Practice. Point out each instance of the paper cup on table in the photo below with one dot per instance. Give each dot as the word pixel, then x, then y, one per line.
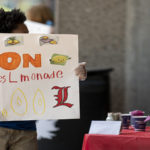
pixel 125 121
pixel 135 113
pixel 139 124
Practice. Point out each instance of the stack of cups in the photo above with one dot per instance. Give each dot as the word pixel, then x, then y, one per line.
pixel 137 120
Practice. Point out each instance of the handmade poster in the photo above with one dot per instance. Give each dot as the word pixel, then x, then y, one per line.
pixel 37 77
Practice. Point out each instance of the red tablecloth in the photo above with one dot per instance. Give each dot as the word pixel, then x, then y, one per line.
pixel 127 140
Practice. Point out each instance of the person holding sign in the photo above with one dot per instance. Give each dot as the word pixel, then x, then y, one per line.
pixel 21 135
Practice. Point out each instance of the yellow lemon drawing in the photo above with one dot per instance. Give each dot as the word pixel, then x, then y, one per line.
pixel 59 59
pixel 45 37
pixel 16 41
pixel 39 103
pixel 53 42
pixel 19 103
pixel 10 41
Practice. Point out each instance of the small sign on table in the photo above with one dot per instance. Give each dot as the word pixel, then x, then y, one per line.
pixel 105 127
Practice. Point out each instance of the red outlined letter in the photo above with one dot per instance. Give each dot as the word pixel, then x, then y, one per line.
pixel 62 96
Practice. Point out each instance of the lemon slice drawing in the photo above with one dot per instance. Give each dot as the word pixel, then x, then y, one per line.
pixel 14 41
pixel 59 59
pixel 19 103
pixel 39 103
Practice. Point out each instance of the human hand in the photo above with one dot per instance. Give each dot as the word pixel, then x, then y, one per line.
pixel 81 72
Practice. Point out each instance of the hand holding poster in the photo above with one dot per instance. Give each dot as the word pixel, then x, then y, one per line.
pixel 37 77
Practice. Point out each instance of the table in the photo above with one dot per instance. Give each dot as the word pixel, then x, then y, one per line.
pixel 127 140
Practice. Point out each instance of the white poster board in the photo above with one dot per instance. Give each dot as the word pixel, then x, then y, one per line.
pixel 37 77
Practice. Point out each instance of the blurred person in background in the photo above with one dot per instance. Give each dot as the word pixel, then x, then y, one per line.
pixel 41 14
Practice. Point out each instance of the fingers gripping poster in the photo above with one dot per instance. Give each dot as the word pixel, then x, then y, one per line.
pixel 37 77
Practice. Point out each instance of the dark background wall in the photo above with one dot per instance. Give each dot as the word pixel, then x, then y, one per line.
pixel 138 55
pixel 101 28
